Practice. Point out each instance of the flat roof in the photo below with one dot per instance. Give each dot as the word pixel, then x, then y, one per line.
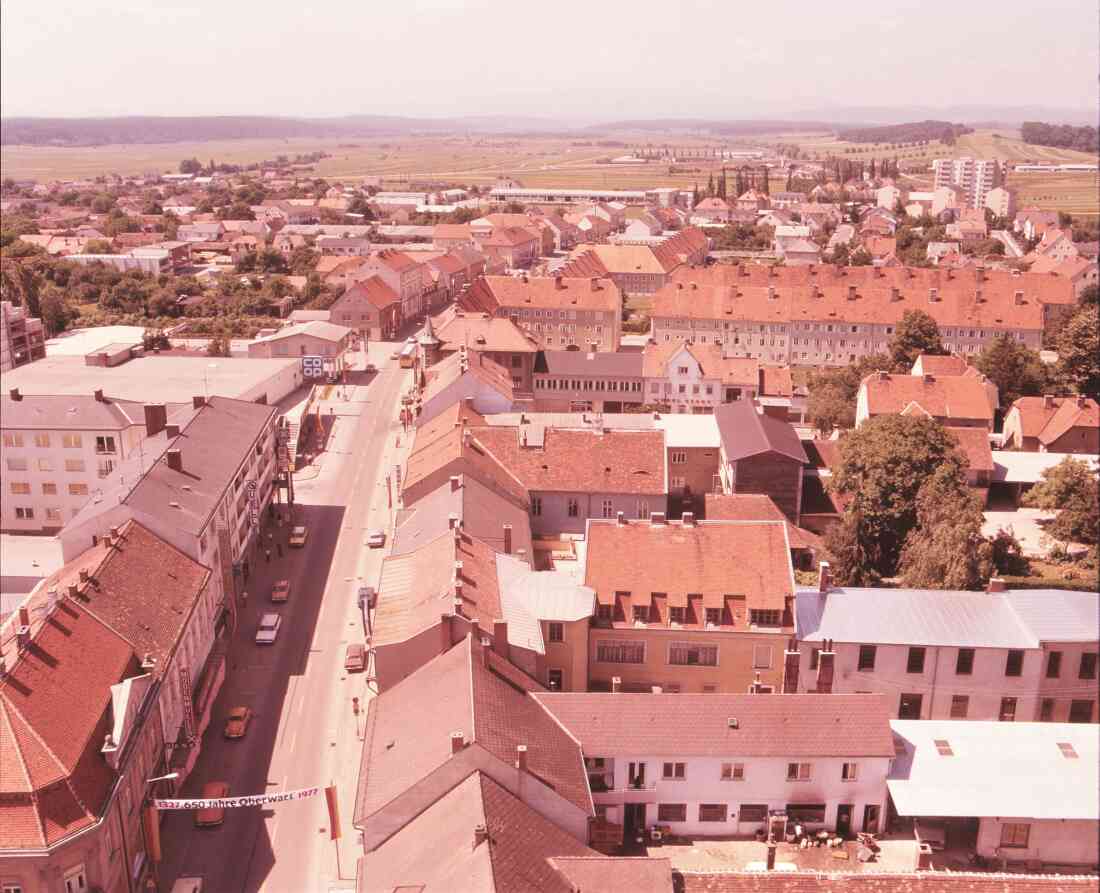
pixel 163 379
pixel 1013 467
pixel 975 769
pixel 79 342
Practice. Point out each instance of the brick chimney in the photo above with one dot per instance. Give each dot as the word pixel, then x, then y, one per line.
pixel 790 667
pixel 507 528
pixel 98 394
pixel 174 459
pixel 458 741
pixel 500 637
pixel 1048 401
pixel 15 395
pixel 456 482
pixel 620 519
pixel 521 757
pixel 171 431
pixel 996 584
pixel 824 578
pixel 558 282
pixel 156 418
pixel 826 660
pixel 616 684
pixel 481 834
pixel 198 402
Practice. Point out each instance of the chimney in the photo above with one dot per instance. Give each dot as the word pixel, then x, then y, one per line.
pixel 445 626
pixel 1048 401
pixel 996 584
pixel 657 519
pixel 979 273
pixel 771 292
pixel 656 689
pixel 1081 400
pixel 521 757
pixel 616 684
pixel 458 741
pixel 481 834
pixel 826 659
pixel 455 483
pixel 507 539
pixel 452 521
pixel 929 378
pixel 695 286
pixel 500 637
pixel 457 603
pixel 790 668
pixel 171 431
pixel 557 282
pixel 620 519
pixel 688 519
pixel 156 417
pixel 756 686
pixel 1018 296
pixel 74 590
pixel 771 855
pixel 743 269
pixel 15 395
pixel 933 295
pixel 98 394
pixel 852 292
pixel 84 575
pixel 175 460
pixel 198 402
pixel 759 381
pixel 883 375
pixel 895 294
pixel 595 284
pixel 825 577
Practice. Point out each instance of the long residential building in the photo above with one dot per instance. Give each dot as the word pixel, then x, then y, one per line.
pixel 827 315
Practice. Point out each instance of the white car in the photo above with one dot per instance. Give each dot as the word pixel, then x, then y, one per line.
pixel 268 629
pixel 376 539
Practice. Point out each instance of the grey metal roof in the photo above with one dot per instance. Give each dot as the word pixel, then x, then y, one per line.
pixel 73 412
pixel 746 432
pixel 1058 615
pixel 579 362
pixel 911 617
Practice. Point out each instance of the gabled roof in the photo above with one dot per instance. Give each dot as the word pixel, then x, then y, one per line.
pixel 746 432
pixel 782 725
pixel 933 364
pixel 974 445
pixel 757 507
pixel 947 397
pixel 479 366
pixel 579 362
pixel 490 294
pixel 438 445
pixel 466 689
pixel 713 559
pixel 878 881
pixel 456 328
pixel 1050 419
pixel 326 331
pixel 373 290
pixel 69 413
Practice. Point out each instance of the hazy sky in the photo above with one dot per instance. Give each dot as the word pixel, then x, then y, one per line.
pixel 574 59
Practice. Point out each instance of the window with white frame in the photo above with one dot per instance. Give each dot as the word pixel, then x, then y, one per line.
pixel 762 657
pixel 799 771
pixel 673 771
pixel 76 880
pixel 678 457
pixel 733 772
pixel 620 652
pixel 692 654
pixel 849 771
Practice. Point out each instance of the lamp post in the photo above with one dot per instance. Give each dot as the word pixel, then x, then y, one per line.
pixel 150 826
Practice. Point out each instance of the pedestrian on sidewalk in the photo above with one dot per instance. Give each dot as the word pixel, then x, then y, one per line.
pixel 267 555
pixel 244 597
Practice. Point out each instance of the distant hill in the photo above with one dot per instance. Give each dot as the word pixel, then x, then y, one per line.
pixel 131 130
pixel 913 131
pixel 710 125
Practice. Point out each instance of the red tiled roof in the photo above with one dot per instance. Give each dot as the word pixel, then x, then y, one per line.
pixel 757 507
pixel 1048 418
pixel 53 717
pixel 452 368
pixel 781 725
pixel 509 237
pixel 453 447
pixel 714 559
pixel 479 331
pixel 490 294
pixel 452 231
pixel 374 290
pixel 628 462
pixel 974 445
pixel 395 260
pixel 931 364
pixel 881 882
pixel 949 397
pixel 743 371
pixel 618 874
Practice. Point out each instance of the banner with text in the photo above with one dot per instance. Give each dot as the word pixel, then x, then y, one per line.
pixel 235 802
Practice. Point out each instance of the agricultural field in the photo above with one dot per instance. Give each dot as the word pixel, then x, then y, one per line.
pixel 1074 193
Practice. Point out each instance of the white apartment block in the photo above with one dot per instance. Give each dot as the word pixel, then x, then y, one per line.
pixel 976 177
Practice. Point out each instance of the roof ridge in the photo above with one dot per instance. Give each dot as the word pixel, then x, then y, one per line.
pixel 29 727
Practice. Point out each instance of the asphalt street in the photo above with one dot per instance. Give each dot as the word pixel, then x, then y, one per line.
pixel 304 733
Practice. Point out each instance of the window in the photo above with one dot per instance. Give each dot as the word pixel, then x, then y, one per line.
pixel 1046 710
pixel 960 704
pixel 45 465
pixel 75 880
pixel 753 812
pixel 761 657
pixel 814 658
pixel 13 440
pixel 677 615
pixel 798 771
pixel 554 680
pixel 672 812
pixel 572 507
pixel 712 812
pixel 1067 750
pixel 10 888
pixel 682 370
pixel 555 632
pixel 673 771
pixel 849 771
pixel 764 617
pixel 42 440
pixel 78 489
pixel 536 506
pixel 1015 835
pixel 603 612
pixel 74 465
pixel 641 613
pixel 915 661
pixel 72 441
pixel 24 513
pixel 690 654
pixel 1080 711
pixel 106 466
pixel 943 747
pixel 608 508
pixel 1054 665
pixel 1008 710
pixel 16 463
pixel 1088 666
pixel 53 514
pixel 104 444
pixel 612 652
pixel 806 812
pixel 964 662
pixel 713 616
pixel 866 657
pixel 733 772
pixel 1014 663
pixel 678 457
pixel 20 488
pixel 909 706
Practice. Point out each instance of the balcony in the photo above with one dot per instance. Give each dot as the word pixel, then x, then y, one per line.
pixel 601 783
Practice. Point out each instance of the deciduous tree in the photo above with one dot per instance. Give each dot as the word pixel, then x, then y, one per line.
pixel 1070 488
pixel 917 333
pixel 1015 369
pixel 1079 351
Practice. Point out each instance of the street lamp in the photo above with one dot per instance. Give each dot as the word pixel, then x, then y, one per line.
pixel 169 777
pixel 150 826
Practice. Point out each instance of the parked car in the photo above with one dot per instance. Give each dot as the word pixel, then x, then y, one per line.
pixel 368 598
pixel 236 723
pixel 268 630
pixel 214 815
pixel 355 658
pixel 370 367
pixel 298 536
pixel 280 592
pixel 376 539
pixel 932 833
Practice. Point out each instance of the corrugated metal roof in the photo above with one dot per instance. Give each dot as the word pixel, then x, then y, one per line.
pixel 1058 615
pixel 546 595
pixel 996 769
pixel 911 617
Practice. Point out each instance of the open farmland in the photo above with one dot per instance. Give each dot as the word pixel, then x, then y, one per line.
pixel 1075 193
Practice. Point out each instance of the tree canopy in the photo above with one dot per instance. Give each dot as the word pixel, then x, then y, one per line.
pixel 1070 488
pixel 1015 369
pixel 1079 351
pixel 917 333
pixel 832 392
